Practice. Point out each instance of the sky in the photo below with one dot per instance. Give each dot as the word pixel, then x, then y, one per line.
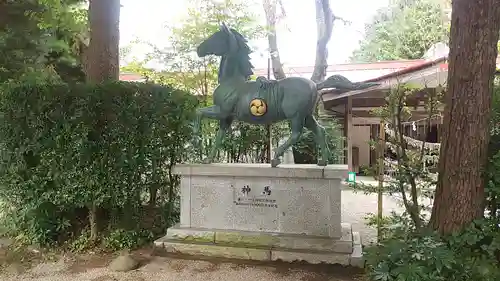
pixel 146 20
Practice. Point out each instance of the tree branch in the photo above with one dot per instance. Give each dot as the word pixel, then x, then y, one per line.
pixel 337 18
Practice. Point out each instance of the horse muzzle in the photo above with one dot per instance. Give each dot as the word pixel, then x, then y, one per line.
pixel 201 52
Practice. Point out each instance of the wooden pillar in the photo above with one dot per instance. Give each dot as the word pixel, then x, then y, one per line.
pixel 348 113
pixel 380 203
pixel 344 142
pixel 438 132
pixel 373 150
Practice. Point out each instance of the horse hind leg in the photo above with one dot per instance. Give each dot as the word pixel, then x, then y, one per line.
pixel 297 126
pixel 320 138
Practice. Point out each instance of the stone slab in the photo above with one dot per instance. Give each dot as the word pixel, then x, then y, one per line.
pixel 310 257
pixel 295 199
pixel 306 171
pixel 234 238
pixel 262 246
pixel 190 234
pixel 357 258
pixel 212 250
pixel 344 244
pixel 255 254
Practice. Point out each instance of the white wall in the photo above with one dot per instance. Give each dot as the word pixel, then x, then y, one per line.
pixel 361 139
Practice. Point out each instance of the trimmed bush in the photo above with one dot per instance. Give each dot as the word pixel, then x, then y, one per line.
pixel 72 152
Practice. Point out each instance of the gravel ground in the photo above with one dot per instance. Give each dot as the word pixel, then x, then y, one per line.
pixel 355 206
pixel 169 269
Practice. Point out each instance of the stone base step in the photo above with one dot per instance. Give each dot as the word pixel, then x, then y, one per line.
pixel 264 246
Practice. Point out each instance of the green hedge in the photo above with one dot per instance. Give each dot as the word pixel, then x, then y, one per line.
pixel 71 149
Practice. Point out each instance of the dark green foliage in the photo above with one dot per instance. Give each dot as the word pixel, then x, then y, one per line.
pixel 41 35
pixel 470 255
pixel 126 239
pixel 248 143
pixel 306 151
pixel 66 148
pixel 492 188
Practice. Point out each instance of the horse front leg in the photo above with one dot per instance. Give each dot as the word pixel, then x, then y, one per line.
pixel 211 112
pixel 224 127
pixel 297 126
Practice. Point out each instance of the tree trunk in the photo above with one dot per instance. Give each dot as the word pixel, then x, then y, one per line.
pixel 270 7
pixel 102 57
pixel 271 18
pixel 460 190
pixel 94 231
pixel 324 27
pixel 153 194
pixel 101 61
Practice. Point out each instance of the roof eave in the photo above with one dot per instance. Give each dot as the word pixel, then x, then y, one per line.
pixel 387 81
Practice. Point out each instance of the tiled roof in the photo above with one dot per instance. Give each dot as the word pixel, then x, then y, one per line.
pixel 131 77
pixel 418 65
pixel 423 64
pixel 397 64
pixel 399 67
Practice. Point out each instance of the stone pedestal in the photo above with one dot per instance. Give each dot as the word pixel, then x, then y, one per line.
pixel 253 211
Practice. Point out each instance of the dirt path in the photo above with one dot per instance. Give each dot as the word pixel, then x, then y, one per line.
pixel 94 268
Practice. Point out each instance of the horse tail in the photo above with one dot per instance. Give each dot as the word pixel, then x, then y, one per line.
pixel 342 83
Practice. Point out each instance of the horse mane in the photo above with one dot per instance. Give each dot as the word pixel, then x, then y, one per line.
pixel 244 52
pixel 242 57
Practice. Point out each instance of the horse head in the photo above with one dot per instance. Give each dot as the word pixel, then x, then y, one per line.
pixel 220 43
pixel 234 50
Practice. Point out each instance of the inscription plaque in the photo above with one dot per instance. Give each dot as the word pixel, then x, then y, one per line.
pixel 255 201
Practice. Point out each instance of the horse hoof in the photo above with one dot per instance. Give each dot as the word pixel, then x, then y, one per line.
pixel 322 163
pixel 275 163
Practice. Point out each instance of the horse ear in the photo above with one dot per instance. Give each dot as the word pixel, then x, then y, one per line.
pixel 223 28
pixel 233 44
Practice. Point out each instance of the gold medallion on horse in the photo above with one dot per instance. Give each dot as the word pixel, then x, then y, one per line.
pixel 258 107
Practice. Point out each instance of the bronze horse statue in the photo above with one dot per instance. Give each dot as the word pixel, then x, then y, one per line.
pixel 262 101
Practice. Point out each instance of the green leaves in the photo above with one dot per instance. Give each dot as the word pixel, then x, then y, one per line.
pixel 403 30
pixel 204 18
pixel 425 257
pixel 65 147
pixel 121 239
pixel 45 39
pixel 182 66
pixel 472 254
pixel 492 188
